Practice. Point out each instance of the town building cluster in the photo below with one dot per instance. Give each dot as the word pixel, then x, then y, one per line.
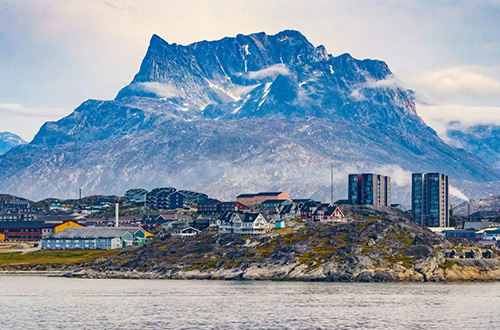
pixel 93 224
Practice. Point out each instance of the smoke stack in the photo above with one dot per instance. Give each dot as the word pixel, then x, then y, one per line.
pixel 80 193
pixel 117 214
pixel 468 209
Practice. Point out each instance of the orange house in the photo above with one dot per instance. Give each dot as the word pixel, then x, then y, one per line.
pixel 257 199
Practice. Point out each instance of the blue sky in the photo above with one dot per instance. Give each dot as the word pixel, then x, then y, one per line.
pixel 55 54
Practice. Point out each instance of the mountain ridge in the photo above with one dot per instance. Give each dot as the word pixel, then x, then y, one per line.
pixel 271 112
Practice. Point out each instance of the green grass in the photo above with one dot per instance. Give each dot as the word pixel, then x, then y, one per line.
pixel 55 257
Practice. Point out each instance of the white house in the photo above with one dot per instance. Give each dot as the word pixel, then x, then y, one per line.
pixel 244 224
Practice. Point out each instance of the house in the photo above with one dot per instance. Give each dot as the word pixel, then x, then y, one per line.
pixel 61 206
pixel 478 225
pixel 25 230
pixel 232 207
pixel 286 212
pixel 186 232
pixel 460 233
pixel 92 238
pixel 244 223
pixel 209 206
pixel 66 225
pixel 192 197
pixel 263 196
pixel 152 196
pixel 17 206
pixel 274 203
pixel 137 195
pixel 308 209
pixel 246 199
pixel 201 224
pixel 257 199
pixel 489 234
pixel 327 214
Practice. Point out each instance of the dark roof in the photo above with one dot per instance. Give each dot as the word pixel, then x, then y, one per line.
pixel 209 202
pixel 246 195
pixel 136 191
pixel 249 217
pixel 157 190
pixel 268 193
pixel 228 203
pixel 26 224
pixel 301 200
pixel 272 201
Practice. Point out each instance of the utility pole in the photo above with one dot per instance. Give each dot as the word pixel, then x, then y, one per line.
pixel 331 185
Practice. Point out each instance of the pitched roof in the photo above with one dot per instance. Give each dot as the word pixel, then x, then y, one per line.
pixel 269 193
pixel 136 191
pixel 245 195
pixel 273 201
pixel 96 232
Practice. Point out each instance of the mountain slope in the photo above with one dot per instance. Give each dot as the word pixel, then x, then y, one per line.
pixel 248 113
pixel 480 140
pixel 9 141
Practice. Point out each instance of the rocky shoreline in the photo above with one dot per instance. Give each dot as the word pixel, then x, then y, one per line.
pixel 464 271
pixel 375 245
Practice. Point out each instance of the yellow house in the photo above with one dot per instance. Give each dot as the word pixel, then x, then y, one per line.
pixel 66 225
pixel 2 237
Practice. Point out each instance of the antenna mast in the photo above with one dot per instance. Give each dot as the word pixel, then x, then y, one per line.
pixel 331 185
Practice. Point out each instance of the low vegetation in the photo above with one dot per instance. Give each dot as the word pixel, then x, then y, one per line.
pixel 55 257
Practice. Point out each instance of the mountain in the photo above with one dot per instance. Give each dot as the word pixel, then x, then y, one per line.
pixel 480 140
pixel 9 141
pixel 253 112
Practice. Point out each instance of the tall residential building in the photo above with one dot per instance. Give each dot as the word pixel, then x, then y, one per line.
pixel 369 189
pixel 429 199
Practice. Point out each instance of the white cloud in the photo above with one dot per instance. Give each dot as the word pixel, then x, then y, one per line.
pixel 468 79
pixel 472 85
pixel 453 116
pixel 271 71
pixel 390 82
pixel 458 193
pixel 160 89
pixel 21 110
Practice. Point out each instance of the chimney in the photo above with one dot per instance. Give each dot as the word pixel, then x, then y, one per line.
pixel 117 214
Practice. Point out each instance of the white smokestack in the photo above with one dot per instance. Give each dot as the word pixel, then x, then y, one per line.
pixel 117 212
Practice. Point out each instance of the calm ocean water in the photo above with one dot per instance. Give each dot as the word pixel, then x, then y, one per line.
pixel 59 303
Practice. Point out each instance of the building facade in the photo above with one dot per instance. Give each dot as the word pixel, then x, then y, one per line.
pixel 430 199
pixel 92 238
pixel 369 189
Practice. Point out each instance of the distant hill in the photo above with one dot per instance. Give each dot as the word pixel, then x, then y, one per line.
pixel 9 141
pixel 489 204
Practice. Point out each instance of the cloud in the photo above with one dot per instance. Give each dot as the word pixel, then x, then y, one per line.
pixel 458 193
pixel 458 117
pixel 159 89
pixel 472 85
pixel 21 110
pixel 271 71
pixel 467 79
pixel 389 82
